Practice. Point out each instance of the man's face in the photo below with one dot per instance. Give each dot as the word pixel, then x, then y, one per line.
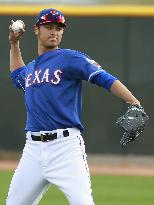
pixel 50 35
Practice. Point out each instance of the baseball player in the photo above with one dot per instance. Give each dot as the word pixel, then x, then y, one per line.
pixel 54 152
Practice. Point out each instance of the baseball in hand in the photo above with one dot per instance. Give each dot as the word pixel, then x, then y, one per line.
pixel 17 25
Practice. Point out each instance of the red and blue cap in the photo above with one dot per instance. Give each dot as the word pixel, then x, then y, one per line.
pixel 50 16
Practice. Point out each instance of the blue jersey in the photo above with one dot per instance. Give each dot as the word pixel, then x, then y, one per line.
pixel 53 84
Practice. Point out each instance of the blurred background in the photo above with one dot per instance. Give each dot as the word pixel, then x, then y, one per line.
pixel 119 35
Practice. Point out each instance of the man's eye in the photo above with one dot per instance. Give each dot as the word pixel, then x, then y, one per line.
pixel 59 28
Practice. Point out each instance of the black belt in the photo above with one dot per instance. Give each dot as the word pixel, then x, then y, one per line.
pixel 45 137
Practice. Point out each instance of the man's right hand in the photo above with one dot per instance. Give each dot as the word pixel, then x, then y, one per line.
pixel 15 36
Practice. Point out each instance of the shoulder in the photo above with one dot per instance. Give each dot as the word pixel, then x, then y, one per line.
pixel 74 53
pixel 31 63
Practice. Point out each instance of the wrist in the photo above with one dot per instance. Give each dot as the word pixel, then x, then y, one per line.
pixel 14 44
pixel 134 102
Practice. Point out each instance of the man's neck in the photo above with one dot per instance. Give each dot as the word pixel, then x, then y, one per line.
pixel 43 50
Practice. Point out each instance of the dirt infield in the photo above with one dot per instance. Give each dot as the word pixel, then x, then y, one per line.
pixel 122 170
pixel 108 165
pixel 8 165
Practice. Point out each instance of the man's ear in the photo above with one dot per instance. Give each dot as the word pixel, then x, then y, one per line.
pixel 36 30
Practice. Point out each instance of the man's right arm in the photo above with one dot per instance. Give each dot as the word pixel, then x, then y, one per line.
pixel 16 60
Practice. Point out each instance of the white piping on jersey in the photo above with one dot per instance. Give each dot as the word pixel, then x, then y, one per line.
pixel 21 85
pixel 94 74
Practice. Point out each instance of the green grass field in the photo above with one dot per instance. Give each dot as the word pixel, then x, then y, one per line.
pixel 107 190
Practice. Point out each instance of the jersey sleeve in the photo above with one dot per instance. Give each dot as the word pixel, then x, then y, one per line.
pixel 83 68
pixel 18 77
pixel 104 80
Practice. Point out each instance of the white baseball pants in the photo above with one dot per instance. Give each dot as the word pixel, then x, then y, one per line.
pixel 61 162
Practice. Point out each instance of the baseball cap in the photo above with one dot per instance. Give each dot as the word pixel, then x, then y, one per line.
pixel 49 16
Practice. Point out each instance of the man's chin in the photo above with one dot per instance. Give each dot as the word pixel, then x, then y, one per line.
pixel 52 46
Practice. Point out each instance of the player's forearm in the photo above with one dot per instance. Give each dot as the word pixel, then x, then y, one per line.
pixel 16 60
pixel 122 92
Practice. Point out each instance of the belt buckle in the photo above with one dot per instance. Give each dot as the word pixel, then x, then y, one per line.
pixel 42 137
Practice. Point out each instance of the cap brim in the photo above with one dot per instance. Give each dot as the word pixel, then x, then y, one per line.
pixel 47 22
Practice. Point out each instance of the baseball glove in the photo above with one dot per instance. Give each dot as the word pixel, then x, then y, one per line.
pixel 133 123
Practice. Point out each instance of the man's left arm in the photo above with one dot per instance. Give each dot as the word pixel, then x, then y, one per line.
pixel 121 91
pixel 134 120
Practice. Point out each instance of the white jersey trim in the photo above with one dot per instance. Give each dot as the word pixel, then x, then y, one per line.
pixel 95 73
